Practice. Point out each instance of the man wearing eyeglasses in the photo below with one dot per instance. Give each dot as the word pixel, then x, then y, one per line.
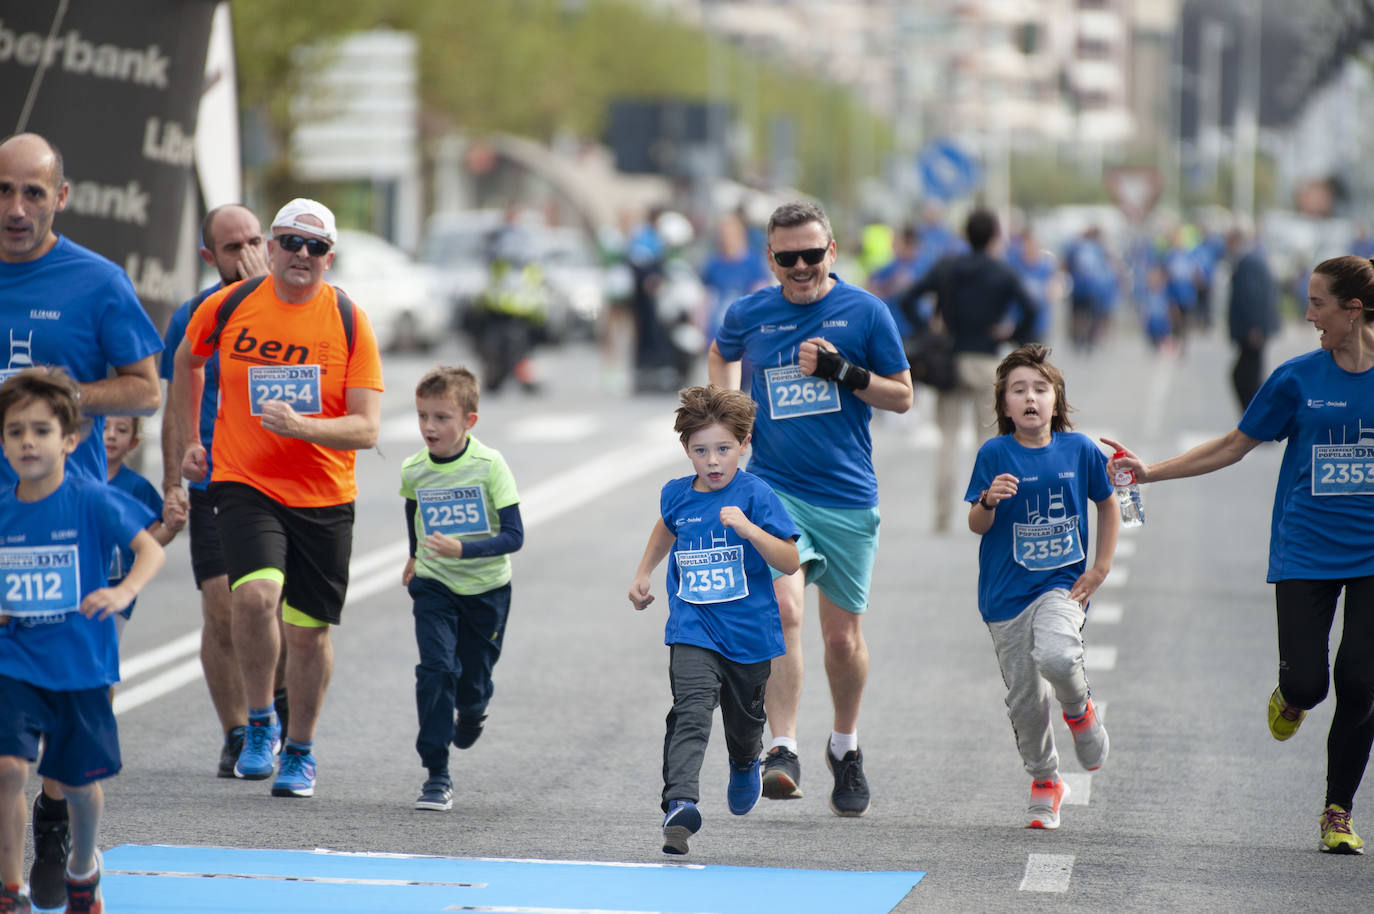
pixel 823 354
pixel 300 394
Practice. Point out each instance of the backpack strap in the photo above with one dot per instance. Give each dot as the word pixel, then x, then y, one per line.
pixel 346 307
pixel 249 286
pixel 229 304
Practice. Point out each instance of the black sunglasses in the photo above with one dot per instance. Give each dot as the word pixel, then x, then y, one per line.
pixel 812 256
pixel 314 246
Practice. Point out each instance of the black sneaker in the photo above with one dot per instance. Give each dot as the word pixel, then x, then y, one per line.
pixel 781 774
pixel 51 844
pixel 436 794
pixel 467 730
pixel 850 796
pixel 229 753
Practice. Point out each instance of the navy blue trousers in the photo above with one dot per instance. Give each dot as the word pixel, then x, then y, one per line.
pixel 460 639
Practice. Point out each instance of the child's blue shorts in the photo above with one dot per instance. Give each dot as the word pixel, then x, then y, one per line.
pixel 82 740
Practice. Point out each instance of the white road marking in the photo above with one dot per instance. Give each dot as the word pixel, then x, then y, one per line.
pixel 1157 398
pixel 374 572
pixel 1125 548
pixel 1117 578
pixel 128 698
pixel 1099 657
pixel 1105 613
pixel 1047 873
pixel 552 427
pixel 1080 787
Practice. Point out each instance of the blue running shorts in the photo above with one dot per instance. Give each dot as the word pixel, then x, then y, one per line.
pixel 82 741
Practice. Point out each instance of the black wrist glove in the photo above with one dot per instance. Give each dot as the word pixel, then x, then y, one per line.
pixel 834 367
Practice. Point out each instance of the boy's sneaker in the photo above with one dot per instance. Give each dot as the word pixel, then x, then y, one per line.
pixel 229 752
pixel 437 794
pixel 781 774
pixel 52 841
pixel 850 796
pixel 1337 835
pixel 83 896
pixel 258 756
pixel 295 775
pixel 745 788
pixel 1284 719
pixel 682 822
pixel 1044 803
pixel 1090 741
pixel 467 729
pixel 13 900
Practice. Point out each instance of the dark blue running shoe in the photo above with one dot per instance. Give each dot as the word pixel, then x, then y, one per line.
pixel 746 786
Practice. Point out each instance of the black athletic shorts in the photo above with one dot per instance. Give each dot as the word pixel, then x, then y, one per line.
pixel 207 559
pixel 310 546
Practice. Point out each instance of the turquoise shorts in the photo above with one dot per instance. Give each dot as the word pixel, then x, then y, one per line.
pixel 837 548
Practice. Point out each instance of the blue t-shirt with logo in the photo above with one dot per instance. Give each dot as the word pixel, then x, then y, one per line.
pixel 720 591
pixel 811 436
pixel 55 551
pixel 1039 538
pixel 209 400
pixel 75 309
pixel 141 491
pixel 1323 521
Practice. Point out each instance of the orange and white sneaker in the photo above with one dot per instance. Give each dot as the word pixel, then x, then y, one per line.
pixel 1090 741
pixel 1044 803
pixel 1337 835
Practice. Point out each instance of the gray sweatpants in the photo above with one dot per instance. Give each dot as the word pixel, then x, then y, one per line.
pixel 1039 650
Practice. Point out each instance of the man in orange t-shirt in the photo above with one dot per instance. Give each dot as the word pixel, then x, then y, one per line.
pixel 298 398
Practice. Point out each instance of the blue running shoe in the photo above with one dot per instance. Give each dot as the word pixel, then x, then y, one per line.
pixel 682 822
pixel 296 776
pixel 260 744
pixel 746 786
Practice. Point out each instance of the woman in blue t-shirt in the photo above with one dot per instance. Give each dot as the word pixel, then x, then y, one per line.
pixel 1322 535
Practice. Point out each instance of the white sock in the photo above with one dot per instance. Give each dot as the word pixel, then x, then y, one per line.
pixel 842 743
pixel 787 742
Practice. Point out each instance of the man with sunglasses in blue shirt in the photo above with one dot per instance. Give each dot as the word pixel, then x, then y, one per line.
pixel 822 355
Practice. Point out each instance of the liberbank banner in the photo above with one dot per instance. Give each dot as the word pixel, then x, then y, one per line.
pixel 115 84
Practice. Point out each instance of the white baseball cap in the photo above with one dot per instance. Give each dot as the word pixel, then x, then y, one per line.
pixel 289 217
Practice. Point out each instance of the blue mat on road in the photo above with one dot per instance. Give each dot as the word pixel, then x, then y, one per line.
pixel 204 880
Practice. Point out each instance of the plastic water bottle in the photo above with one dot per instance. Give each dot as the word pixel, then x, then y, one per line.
pixel 1128 495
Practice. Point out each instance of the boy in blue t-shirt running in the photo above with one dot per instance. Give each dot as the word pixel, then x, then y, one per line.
pixel 58 653
pixel 1030 490
pixel 725 528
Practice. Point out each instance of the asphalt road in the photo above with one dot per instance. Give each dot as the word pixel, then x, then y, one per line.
pixel 1197 809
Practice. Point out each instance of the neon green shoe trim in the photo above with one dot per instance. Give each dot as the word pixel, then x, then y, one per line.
pixel 1337 835
pixel 1281 726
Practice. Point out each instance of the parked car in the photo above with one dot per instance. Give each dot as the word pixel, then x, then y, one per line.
pixel 400 295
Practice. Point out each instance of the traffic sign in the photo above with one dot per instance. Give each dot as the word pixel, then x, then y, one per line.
pixel 948 170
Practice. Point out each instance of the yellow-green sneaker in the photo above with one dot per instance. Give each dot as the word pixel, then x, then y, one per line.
pixel 1284 719
pixel 1337 835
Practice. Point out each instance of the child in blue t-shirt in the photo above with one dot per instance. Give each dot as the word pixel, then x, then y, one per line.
pixel 1030 490
pixel 58 651
pixel 724 528
pixel 121 437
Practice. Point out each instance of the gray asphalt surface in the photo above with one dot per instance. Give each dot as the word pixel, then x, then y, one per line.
pixel 1197 809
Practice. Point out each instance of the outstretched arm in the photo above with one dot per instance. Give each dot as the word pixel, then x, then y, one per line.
pixel 1205 458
